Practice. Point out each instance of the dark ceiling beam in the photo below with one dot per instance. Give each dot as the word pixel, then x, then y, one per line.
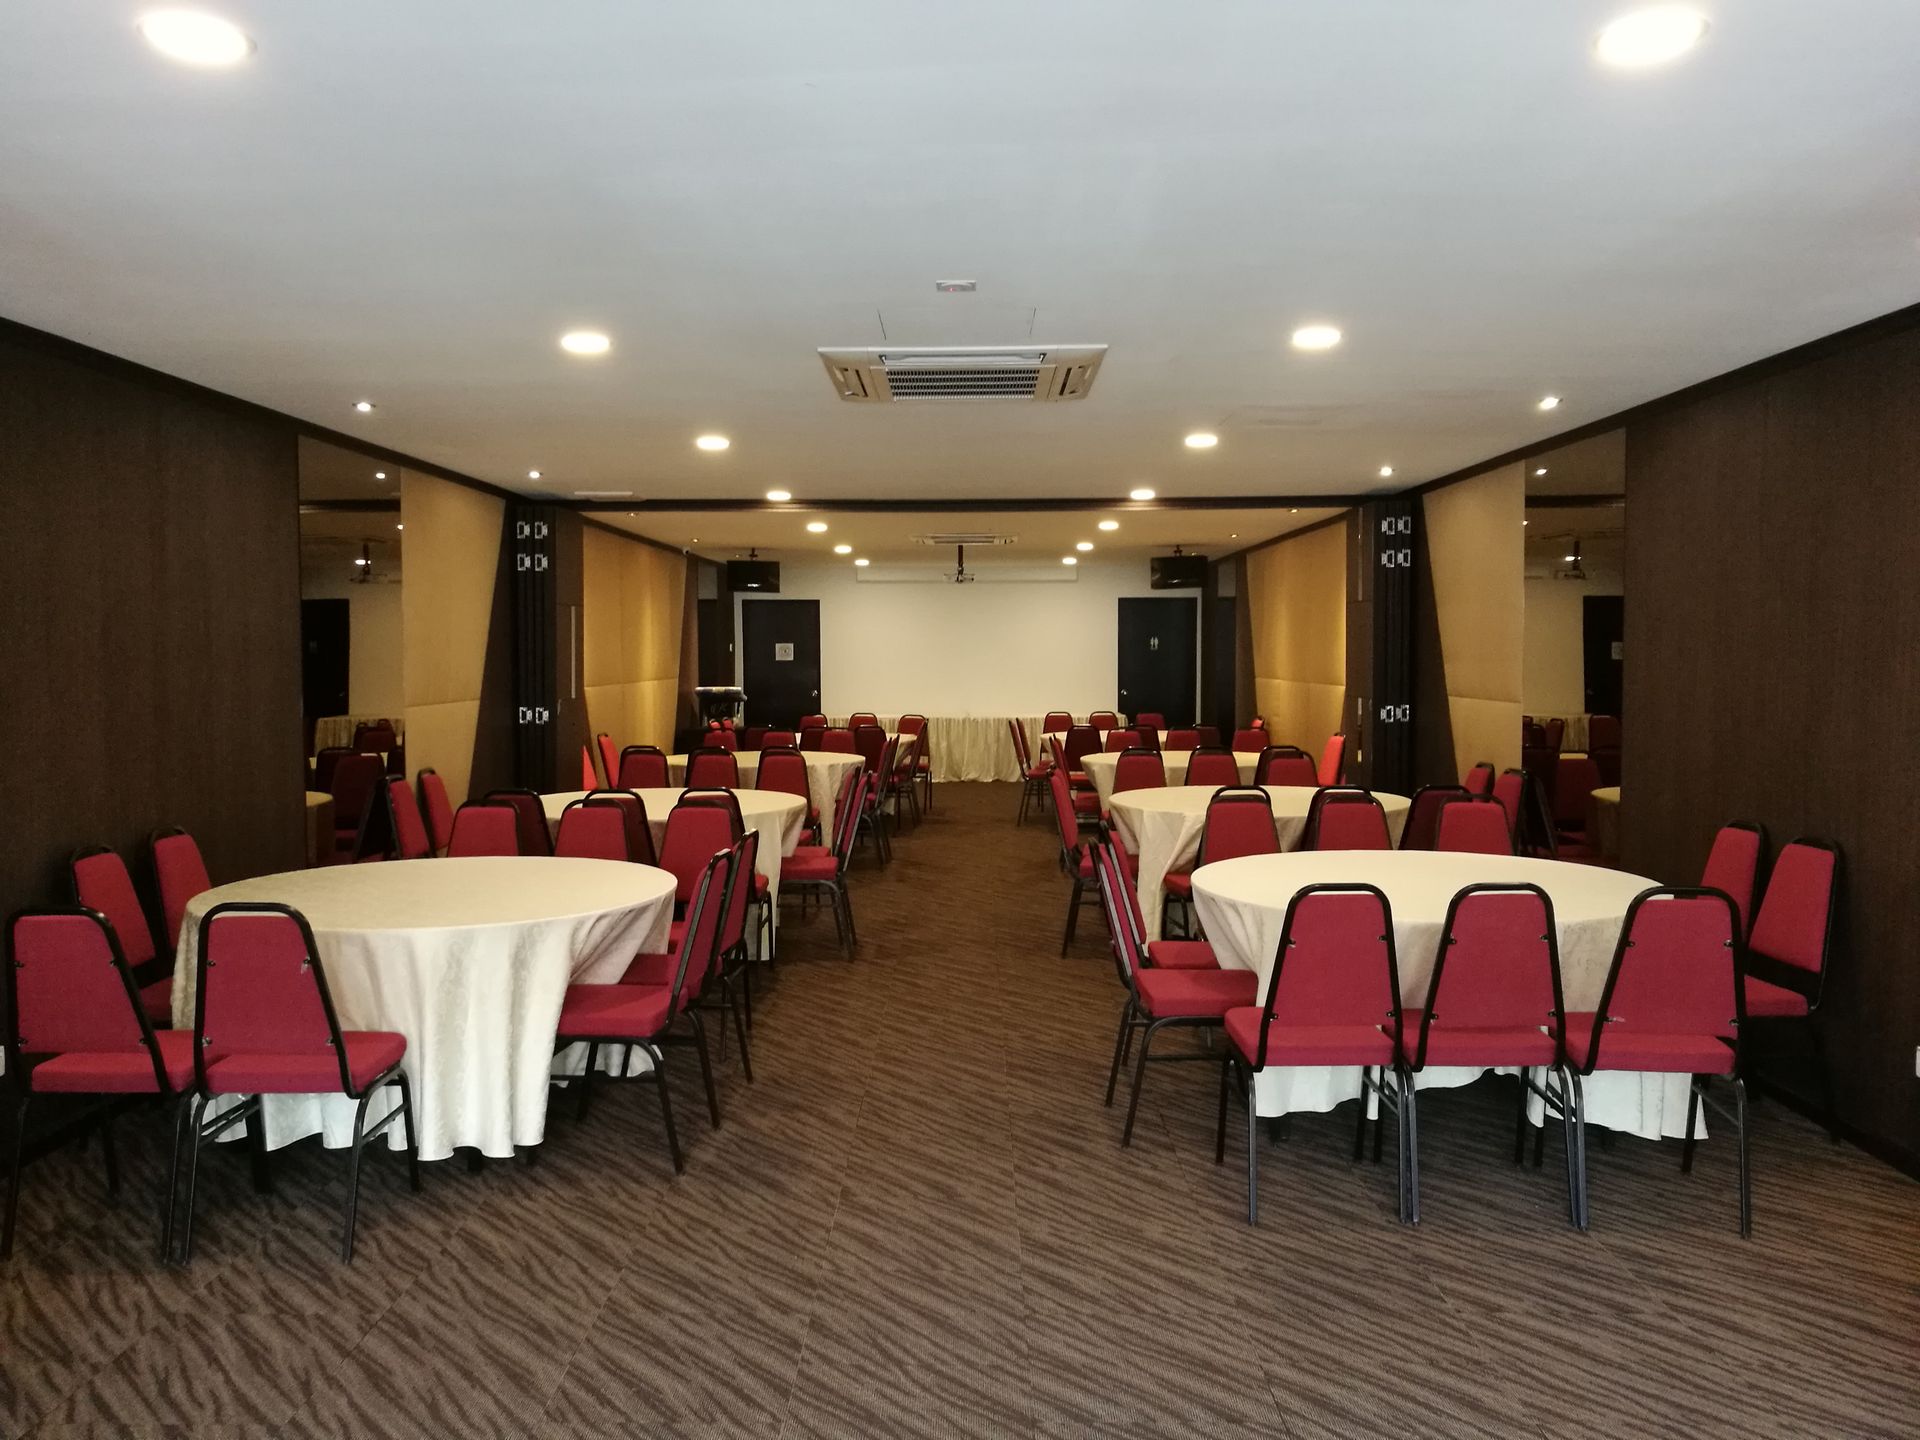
pixel 913 505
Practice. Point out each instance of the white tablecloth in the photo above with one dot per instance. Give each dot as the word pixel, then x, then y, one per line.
pixel 827 771
pixel 1242 904
pixel 1163 828
pixel 470 960
pixel 1099 769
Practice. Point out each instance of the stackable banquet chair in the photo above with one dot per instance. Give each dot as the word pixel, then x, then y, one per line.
pixel 1078 743
pixel 1210 765
pixel 784 771
pixel 535 836
pixel 719 737
pixel 1250 741
pixel 1160 954
pixel 713 769
pixel 1790 947
pixel 1575 778
pixel 643 767
pixel 179 874
pixel 589 777
pixel 439 810
pixel 101 882
pixel 1423 815
pixel 406 824
pixel 1603 744
pixel 696 831
pixel 1345 817
pixel 1556 731
pixel 264 1024
pixel 813 737
pixel 1075 860
pixel 754 737
pixel 1332 759
pixel 903 776
pixel 879 770
pixel 813 722
pixel 731 970
pixel 918 727
pixel 77 1025
pixel 1183 739
pixel 837 739
pixel 1333 999
pixel 483 829
pixel 324 763
pixel 1139 770
pixel 1033 776
pixel 1158 999
pixel 609 759
pixel 860 719
pixel 1205 735
pixel 1056 722
pixel 356 783
pixel 774 740
pixel 1116 740
pixel 633 814
pixel 1286 765
pixel 1493 1000
pixel 1103 720
pixel 627 1014
pixel 1239 822
pixel 822 870
pixel 1473 825
pixel 1733 865
pixel 1150 720
pixel 1672 1005
pixel 1511 791
pixel 1479 779
pixel 590 830
pixel 374 735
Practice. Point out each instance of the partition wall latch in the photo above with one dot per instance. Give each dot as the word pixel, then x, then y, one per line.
pixel 1395 714
pixel 534 715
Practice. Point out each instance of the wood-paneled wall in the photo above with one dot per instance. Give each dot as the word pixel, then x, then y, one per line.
pixel 149 621
pixel 1297 617
pixel 634 595
pixel 1773 669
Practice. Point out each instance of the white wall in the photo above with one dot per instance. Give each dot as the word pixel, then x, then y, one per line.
pixel 374 664
pixel 992 649
pixel 1553 678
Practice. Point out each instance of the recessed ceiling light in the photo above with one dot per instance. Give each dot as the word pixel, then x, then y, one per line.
pixel 1570 559
pixel 1143 493
pixel 379 474
pixel 533 474
pixel 400 527
pixel 863 562
pixel 1109 525
pixel 365 407
pixel 1202 440
pixel 779 497
pixel 1525 523
pixel 585 342
pixel 1386 472
pixel 1541 471
pixel 712 442
pixel 1293 512
pixel 1651 36
pixel 1069 560
pixel 1083 545
pixel 194 37
pixel 1233 535
pixel 816 527
pixel 843 549
pixel 1316 337
pixel 1549 402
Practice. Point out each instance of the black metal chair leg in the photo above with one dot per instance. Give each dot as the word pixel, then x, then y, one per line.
pixel 1746 1169
pixel 406 1121
pixel 13 1175
pixel 1253 1154
pixel 1379 1113
pixel 1139 1078
pixel 193 1180
pixel 353 1175
pixel 706 1066
pixel 1119 1049
pixel 183 1111
pixel 1580 1150
pixel 1360 1130
pixel 1073 914
pixel 1220 1128
pixel 740 1034
pixel 586 1082
pixel 1520 1120
pixel 110 1153
pixel 1567 1143
pixel 659 1059
pixel 1410 1147
pixel 1693 1115
pixel 257 1159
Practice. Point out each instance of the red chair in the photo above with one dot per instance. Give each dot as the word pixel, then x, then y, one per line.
pixel 696 832
pixel 439 810
pixel 709 769
pixel 1078 743
pixel 101 882
pixel 481 829
pixel 374 735
pixel 1333 998
pixel 1790 946
pixel 589 780
pixel 1139 770
pixel 592 831
pixel 1074 859
pixel 1150 720
pixel 1250 741
pixel 1183 739
pixel 356 781
pixel 1422 827
pixel 179 874
pixel 813 737
pixel 1033 777
pixel 784 771
pixel 1492 1001
pixel 1575 778
pixel 732 963
pixel 1346 818
pixel 777 740
pixel 408 826
pixel 859 720
pixel 1286 765
pixel 719 737
pixel 1671 1006
pixel 754 737
pixel 879 770
pixel 264 1024
pixel 633 813
pixel 813 722
pixel 609 759
pixel 1207 735
pixel 629 1014
pixel 1479 779
pixel 325 761
pixel 1103 720
pixel 1117 740
pixel 837 741
pixel 1471 825
pixel 1239 822
pixel 76 1024
pixel 536 838
pixel 643 767
pixel 1556 731
pixel 823 870
pixel 1161 954
pixel 1733 866
pixel 1603 732
pixel 1511 791
pixel 902 774
pixel 919 727
pixel 1332 758
pixel 1057 722
pixel 1158 999
pixel 1208 765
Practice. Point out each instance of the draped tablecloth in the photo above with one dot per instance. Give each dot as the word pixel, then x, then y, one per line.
pixel 320 841
pixel 1606 821
pixel 827 771
pixel 1163 828
pixel 470 960
pixel 1099 769
pixel 968 747
pixel 1242 903
pixel 338 729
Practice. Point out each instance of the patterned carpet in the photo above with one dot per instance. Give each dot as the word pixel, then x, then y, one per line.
pixel 919 1222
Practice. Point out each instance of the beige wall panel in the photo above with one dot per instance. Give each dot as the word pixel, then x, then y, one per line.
pixel 1297 602
pixel 446 607
pixel 1477 546
pixel 633 596
pixel 1300 713
pixel 441 737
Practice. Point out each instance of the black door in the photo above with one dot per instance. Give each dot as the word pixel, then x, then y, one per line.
pixel 326 635
pixel 1157 657
pixel 1603 624
pixel 1219 662
pixel 780 660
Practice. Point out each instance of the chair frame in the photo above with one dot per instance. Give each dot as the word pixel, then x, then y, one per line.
pixel 1339 795
pixel 1033 776
pixel 1409 832
pixel 1792 977
pixel 846 820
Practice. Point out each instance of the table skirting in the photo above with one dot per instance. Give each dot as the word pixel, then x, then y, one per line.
pixel 1606 822
pixel 827 771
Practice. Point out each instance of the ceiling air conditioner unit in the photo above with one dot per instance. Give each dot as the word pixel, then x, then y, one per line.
pixel 964 372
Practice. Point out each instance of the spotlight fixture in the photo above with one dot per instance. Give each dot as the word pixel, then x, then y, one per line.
pixel 816 527
pixel 193 37
pixel 365 407
pixel 1386 472
pixel 1316 337
pixel 863 562
pixel 1083 546
pixel 1142 493
pixel 779 497
pixel 362 565
pixel 1202 440
pixel 1651 36
pixel 379 474
pixel 1541 471
pixel 712 442
pixel 585 342
pixel 1069 560
pixel 400 527
pixel 1549 402
pixel 1109 525
pixel 843 549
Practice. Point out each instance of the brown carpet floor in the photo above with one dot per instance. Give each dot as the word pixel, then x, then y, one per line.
pixel 919 1222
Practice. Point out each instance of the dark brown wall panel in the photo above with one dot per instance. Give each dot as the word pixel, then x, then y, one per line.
pixel 1773 669
pixel 149 622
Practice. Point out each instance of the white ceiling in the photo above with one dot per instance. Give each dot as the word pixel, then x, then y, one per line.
pixel 410 202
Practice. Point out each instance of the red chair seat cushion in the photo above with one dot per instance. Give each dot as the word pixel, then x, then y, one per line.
pixel 809 862
pixel 157 1000
pixel 1477 1045
pixel 1309 1044
pixel 675 932
pixel 1195 993
pixel 1086 803
pixel 652 969
pixel 1039 772
pixel 762 886
pixel 370 1053
pixel 620 1012
pixel 1770 1001
pixel 1180 883
pixel 1182 955
pixel 116 1072
pixel 1653 1051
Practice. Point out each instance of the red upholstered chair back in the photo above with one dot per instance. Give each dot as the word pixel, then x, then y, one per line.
pixel 1422 827
pixel 535 836
pixel 1109 872
pixel 1057 720
pixel 1733 865
pixel 696 830
pixel 1022 754
pixel 1286 765
pixel 592 831
pixel 1347 819
pixel 1533 735
pixel 1332 757
pixel 374 735
pixel 324 763
pixel 1479 779
pixel 1080 741
pixel 1511 791
pixel 101 882
pixel 609 758
pixel 643 767
pixel 1183 739
pixel 785 771
pixel 1103 720
pixel 711 769
pixel 846 814
pixel 1498 966
pixel 813 737
pixel 481 829
pixel 861 718
pixel 1118 740
pixel 913 725
pixel 813 722
pixel 706 915
pixel 356 780
pixel 1212 766
pixel 754 737
pixel 633 814
pixel 1138 770
pixel 261 988
pixel 68 987
pixel 1209 735
pixel 1472 825
pixel 179 874
pixel 589 778
pixel 1250 742
pixel 1239 822
pixel 870 743
pixel 719 738
pixel 1335 963
pixel 1150 720
pixel 409 825
pixel 1556 731
pixel 1676 970
pixel 1795 922
pixel 1063 809
pixel 733 928
pixel 777 740
pixel 838 740
pixel 1603 732
pixel 1575 778
pixel 439 809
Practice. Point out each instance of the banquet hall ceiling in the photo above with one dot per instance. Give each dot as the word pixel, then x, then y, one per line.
pixel 409 204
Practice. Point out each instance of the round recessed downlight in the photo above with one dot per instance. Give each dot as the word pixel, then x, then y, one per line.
pixel 1316 337
pixel 816 527
pixel 1549 402
pixel 1541 471
pixel 585 342
pixel 1109 525
pixel 1143 493
pixel 1651 36
pixel 863 562
pixel 533 474
pixel 365 407
pixel 779 497
pixel 379 474
pixel 1069 560
pixel 193 37
pixel 712 442
pixel 1083 545
pixel 1202 440
pixel 1386 472
pixel 843 549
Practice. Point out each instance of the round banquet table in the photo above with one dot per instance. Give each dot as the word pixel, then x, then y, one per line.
pixel 1606 821
pixel 827 771
pixel 1162 827
pixel 319 826
pixel 1242 906
pixel 470 960
pixel 1099 769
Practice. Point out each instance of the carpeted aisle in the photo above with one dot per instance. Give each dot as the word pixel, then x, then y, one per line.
pixel 918 1222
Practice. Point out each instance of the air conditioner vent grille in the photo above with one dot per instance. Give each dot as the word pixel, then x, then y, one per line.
pixel 964 372
pixel 964 384
pixel 949 538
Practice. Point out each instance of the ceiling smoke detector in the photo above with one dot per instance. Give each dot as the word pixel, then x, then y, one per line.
pixel 964 372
